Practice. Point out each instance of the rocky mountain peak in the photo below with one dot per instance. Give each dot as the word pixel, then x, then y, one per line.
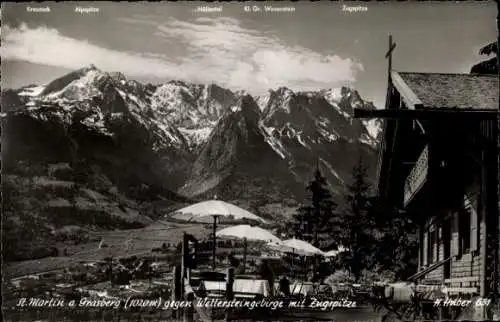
pixel 81 84
pixel 283 90
pixel 177 82
pixel 118 77
pixel 211 124
pixel 279 101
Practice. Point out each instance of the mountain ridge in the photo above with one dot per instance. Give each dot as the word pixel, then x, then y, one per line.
pixel 178 120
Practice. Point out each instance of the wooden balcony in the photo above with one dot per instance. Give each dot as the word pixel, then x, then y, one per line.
pixel 417 176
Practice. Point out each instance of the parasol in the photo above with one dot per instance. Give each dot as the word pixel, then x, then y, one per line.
pixel 212 210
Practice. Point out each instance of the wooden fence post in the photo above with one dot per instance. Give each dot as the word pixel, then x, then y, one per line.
pixel 229 290
pixel 176 288
pixel 188 312
pixel 188 315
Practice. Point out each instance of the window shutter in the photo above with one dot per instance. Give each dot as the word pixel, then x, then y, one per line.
pixel 431 258
pixel 435 246
pixel 438 243
pixel 455 240
pixel 420 246
pixel 472 209
pixel 424 255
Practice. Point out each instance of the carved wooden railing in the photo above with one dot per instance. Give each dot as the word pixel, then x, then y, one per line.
pixel 417 176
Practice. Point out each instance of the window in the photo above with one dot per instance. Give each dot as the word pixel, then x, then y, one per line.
pixel 421 245
pixel 464 231
pixel 432 241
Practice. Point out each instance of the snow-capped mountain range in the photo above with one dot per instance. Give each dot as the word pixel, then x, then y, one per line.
pixel 200 136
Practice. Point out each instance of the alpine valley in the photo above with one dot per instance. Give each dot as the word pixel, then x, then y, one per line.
pixel 94 150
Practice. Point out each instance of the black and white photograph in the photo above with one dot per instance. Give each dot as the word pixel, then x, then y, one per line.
pixel 250 161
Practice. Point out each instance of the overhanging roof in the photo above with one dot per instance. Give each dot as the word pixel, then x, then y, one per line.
pixel 447 91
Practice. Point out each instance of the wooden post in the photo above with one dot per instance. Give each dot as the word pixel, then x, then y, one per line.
pixel 111 271
pixel 229 283
pixel 176 288
pixel 388 56
pixel 214 241
pixel 183 260
pixel 245 246
pixel 229 290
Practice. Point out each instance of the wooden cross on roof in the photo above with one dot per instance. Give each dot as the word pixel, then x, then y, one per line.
pixel 388 55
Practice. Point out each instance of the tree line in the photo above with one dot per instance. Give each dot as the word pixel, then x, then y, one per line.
pixel 375 239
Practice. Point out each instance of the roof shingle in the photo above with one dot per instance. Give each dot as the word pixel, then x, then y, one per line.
pixel 463 91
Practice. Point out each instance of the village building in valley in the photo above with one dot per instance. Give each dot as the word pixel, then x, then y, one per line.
pixel 438 163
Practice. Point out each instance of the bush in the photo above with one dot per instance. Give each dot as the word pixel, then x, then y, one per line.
pixel 367 277
pixel 370 276
pixel 76 235
pixel 340 276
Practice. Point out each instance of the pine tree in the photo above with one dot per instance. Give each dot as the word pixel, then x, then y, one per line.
pixel 303 223
pixel 489 66
pixel 315 218
pixel 356 222
pixel 492 65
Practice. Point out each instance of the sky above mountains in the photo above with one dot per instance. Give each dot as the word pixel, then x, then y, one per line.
pixel 317 46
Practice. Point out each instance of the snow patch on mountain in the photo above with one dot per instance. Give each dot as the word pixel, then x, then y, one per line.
pixel 167 132
pixel 333 94
pixel 274 142
pixel 329 136
pixel 373 127
pixel 196 136
pixel 31 91
pixel 241 93
pixel 136 105
pixel 334 97
pixel 322 121
pixel 262 101
pixel 340 110
pixel 81 88
pixel 332 170
pixel 96 122
pixel 343 113
pixel 204 95
pixel 168 96
pixel 301 141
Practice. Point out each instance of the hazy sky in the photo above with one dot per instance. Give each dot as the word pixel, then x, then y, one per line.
pixel 317 46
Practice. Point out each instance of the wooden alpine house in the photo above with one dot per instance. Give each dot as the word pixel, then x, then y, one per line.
pixel 438 162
